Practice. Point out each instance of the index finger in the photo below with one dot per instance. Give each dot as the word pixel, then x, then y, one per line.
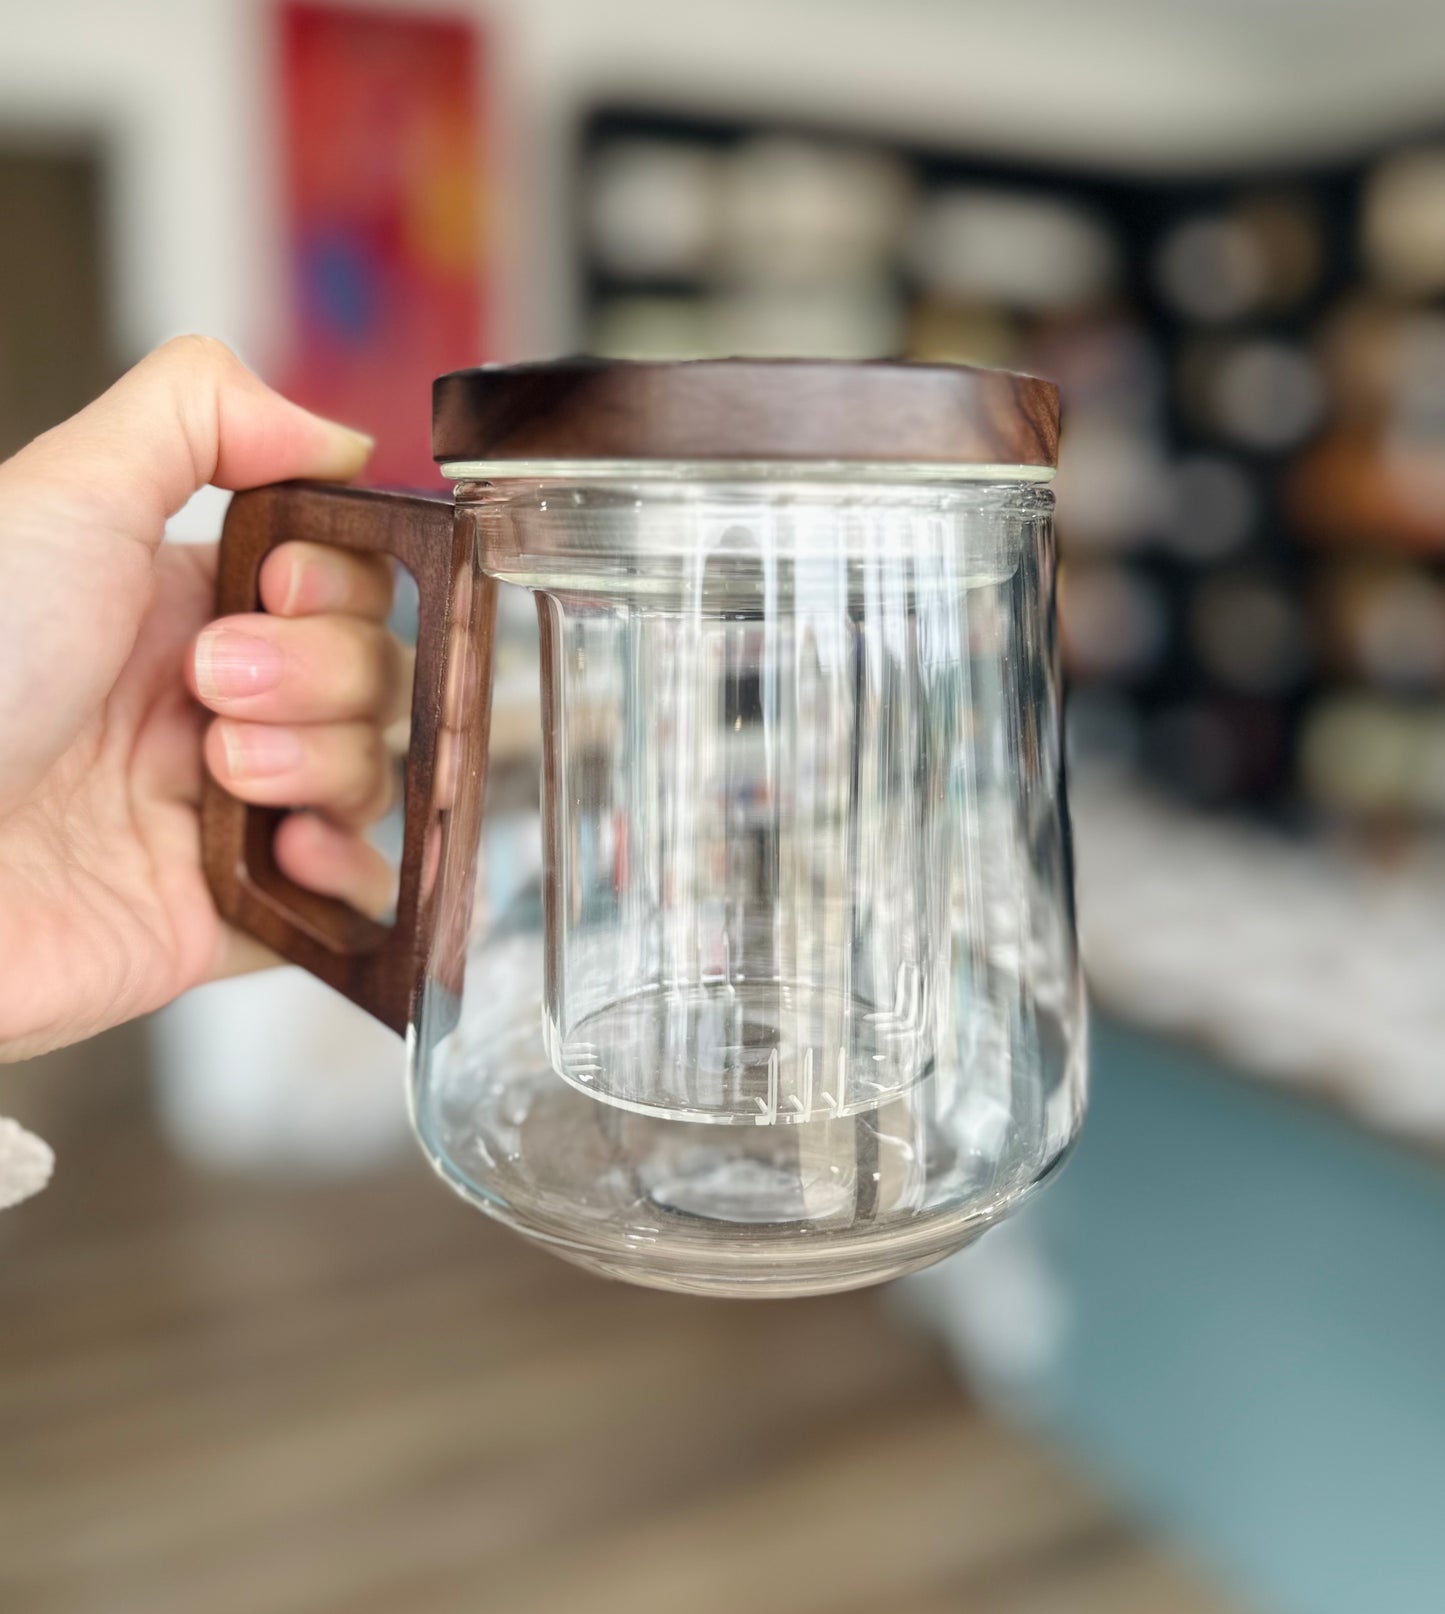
pixel 304 579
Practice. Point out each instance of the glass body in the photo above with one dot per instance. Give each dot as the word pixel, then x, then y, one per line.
pixel 757 972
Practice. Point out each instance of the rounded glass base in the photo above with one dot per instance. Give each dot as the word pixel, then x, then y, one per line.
pixel 766 1211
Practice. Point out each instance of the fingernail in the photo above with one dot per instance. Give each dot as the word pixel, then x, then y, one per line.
pixel 231 666
pixel 358 442
pixel 255 751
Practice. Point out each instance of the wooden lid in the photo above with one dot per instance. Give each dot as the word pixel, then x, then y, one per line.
pixel 781 410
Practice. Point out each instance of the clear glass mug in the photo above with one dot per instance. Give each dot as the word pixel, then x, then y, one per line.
pixel 754 970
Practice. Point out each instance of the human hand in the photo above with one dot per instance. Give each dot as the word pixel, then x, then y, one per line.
pixel 106 663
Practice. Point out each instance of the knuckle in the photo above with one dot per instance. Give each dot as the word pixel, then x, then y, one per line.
pixel 213 748
pixel 384 581
pixel 340 668
pixel 372 669
pixel 380 776
pixel 392 663
pixel 199 352
pixel 359 770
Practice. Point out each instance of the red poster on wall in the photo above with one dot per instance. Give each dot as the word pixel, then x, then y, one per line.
pixel 386 197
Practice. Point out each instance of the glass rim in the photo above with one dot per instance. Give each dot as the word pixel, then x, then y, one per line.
pixel 912 473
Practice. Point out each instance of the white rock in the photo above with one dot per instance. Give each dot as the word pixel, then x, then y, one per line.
pixel 25 1163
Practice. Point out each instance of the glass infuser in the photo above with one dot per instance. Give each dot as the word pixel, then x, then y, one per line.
pixel 755 973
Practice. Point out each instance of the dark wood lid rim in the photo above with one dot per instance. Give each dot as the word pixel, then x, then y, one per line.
pixel 759 410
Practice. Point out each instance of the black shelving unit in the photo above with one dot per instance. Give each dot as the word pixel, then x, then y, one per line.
pixel 1176 706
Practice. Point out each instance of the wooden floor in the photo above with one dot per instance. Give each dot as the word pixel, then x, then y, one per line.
pixel 249 1397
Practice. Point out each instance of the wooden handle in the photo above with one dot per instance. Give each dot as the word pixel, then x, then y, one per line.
pixel 377 966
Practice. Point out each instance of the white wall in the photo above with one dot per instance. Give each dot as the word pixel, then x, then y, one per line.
pixel 172 82
pixel 182 84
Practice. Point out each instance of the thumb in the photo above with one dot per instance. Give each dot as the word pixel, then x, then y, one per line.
pixel 187 415
pixel 83 508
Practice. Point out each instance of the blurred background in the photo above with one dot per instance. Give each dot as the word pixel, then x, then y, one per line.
pixel 251 1358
